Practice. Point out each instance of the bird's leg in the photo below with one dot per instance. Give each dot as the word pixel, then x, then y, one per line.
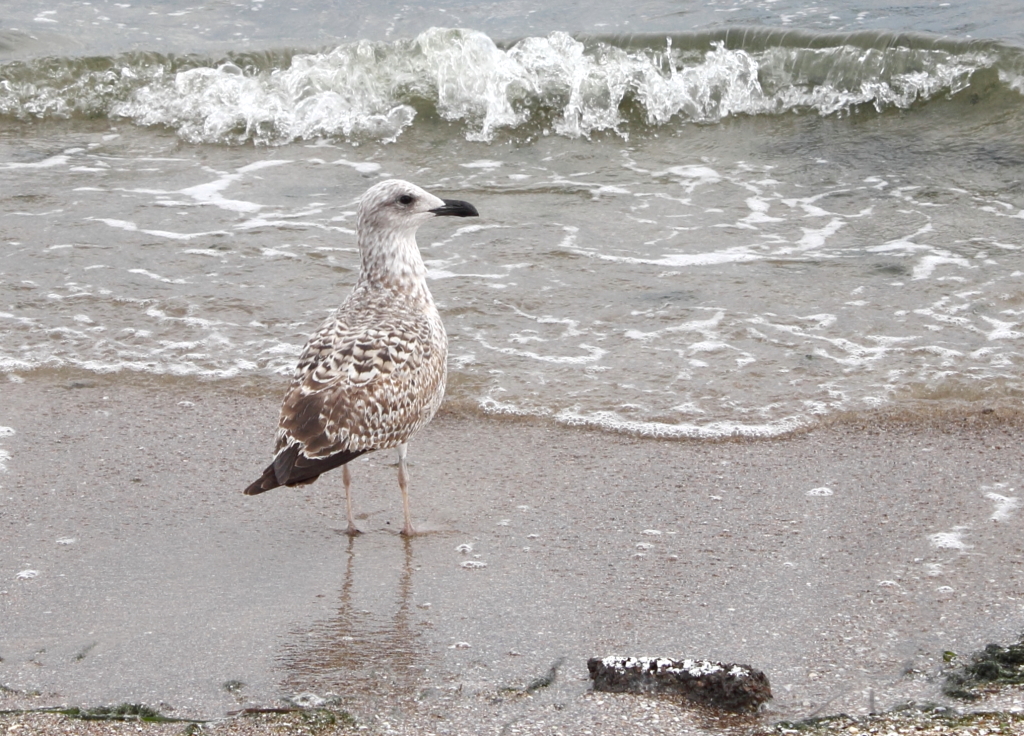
pixel 403 483
pixel 346 477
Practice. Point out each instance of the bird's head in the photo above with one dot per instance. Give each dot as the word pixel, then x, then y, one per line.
pixel 400 207
pixel 388 215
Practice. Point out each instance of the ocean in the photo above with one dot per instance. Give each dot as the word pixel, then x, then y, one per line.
pixel 697 219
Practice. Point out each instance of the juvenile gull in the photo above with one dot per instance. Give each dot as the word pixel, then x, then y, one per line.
pixel 374 373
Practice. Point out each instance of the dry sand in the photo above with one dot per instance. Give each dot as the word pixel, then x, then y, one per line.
pixel 842 562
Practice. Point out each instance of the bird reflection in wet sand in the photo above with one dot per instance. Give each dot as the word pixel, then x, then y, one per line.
pixel 370 651
pixel 374 373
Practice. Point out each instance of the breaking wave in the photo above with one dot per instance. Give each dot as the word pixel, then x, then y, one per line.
pixel 556 84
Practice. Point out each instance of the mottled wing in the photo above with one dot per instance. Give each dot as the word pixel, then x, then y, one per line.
pixel 362 383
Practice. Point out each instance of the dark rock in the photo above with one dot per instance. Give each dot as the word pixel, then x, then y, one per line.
pixel 735 687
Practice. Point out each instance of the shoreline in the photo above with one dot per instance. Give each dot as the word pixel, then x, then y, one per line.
pixel 912 414
pixel 839 560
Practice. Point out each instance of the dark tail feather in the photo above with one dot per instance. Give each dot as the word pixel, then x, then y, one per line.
pixel 292 469
pixel 267 481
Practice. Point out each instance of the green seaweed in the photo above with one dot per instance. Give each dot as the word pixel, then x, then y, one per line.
pixel 314 720
pixel 537 683
pixel 995 665
pixel 902 720
pixel 317 720
pixel 321 720
pixel 546 679
pixel 809 724
pixel 122 712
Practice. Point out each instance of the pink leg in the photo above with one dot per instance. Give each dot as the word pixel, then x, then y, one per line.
pixel 403 483
pixel 346 477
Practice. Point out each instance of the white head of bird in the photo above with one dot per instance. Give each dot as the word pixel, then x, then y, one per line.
pixel 388 216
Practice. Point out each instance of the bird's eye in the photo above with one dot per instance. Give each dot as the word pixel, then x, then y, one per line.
pixel 405 199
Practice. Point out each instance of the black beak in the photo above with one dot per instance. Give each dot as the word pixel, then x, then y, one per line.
pixel 455 208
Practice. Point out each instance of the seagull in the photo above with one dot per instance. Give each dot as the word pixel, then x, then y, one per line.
pixel 374 373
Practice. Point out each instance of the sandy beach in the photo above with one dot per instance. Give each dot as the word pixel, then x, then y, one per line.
pixel 842 561
pixel 734 359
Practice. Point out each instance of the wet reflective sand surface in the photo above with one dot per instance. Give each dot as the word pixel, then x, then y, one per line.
pixel 842 562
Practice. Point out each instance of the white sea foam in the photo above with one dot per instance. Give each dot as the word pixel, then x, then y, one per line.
pixel 156 276
pixel 1002 330
pixel 206 252
pixel 1005 506
pixel 5 456
pixel 927 264
pixel 739 254
pixel 692 176
pixel 363 167
pixel 47 163
pixel 950 540
pixel 482 164
pixel 211 193
pixel 612 421
pixel 813 239
pixel 578 88
pixel 593 355
pixel 132 227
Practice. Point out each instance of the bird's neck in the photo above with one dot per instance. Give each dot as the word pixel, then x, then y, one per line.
pixel 395 265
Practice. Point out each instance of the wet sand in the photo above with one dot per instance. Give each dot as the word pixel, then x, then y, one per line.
pixel 158 582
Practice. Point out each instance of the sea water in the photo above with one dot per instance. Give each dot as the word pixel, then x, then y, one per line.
pixel 697 219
